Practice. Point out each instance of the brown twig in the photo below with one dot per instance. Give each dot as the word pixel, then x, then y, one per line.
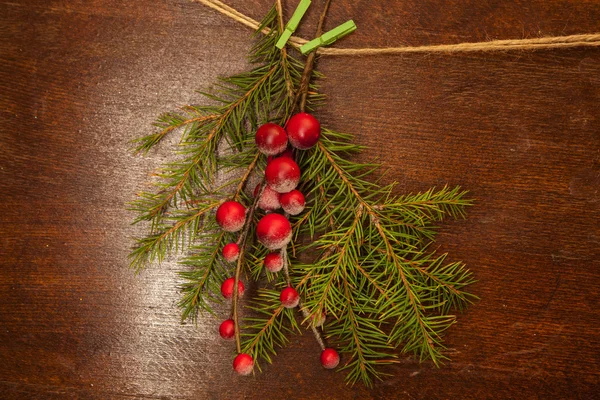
pixel 238 269
pixel 310 62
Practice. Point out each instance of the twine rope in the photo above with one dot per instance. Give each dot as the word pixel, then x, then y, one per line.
pixel 583 40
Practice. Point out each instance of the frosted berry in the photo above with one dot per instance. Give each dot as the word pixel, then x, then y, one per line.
pixel 243 364
pixel 274 231
pixel 231 216
pixel 227 329
pixel 271 139
pixel 289 297
pixel 227 288
pixel 282 174
pixel 269 200
pixel 330 358
pixel 292 202
pixel 303 131
pixel 231 252
pixel 273 262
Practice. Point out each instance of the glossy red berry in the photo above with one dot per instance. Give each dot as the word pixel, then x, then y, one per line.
pixel 289 297
pixel 271 139
pixel 243 364
pixel 330 358
pixel 292 202
pixel 303 131
pixel 269 200
pixel 273 262
pixel 231 252
pixel 227 329
pixel 227 288
pixel 231 216
pixel 282 174
pixel 274 231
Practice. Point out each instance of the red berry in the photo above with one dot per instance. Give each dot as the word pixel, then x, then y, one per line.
pixel 274 231
pixel 289 297
pixel 243 364
pixel 227 329
pixel 227 288
pixel 303 131
pixel 292 202
pixel 231 252
pixel 231 216
pixel 273 262
pixel 271 139
pixel 330 358
pixel 269 200
pixel 282 174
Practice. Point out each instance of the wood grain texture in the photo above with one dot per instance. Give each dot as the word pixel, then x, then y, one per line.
pixel 80 79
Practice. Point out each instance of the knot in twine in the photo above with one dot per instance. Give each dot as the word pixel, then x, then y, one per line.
pixel 552 42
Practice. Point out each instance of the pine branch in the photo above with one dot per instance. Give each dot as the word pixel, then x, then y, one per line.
pixel 205 273
pixel 370 266
pixel 267 331
pixel 182 227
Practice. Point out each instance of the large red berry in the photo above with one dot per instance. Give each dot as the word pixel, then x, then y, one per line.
pixel 282 174
pixel 227 329
pixel 303 131
pixel 243 364
pixel 330 358
pixel 292 202
pixel 227 288
pixel 231 216
pixel 273 262
pixel 289 297
pixel 231 252
pixel 269 200
pixel 271 139
pixel 274 231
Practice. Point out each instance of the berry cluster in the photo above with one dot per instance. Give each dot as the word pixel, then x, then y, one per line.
pixel 273 230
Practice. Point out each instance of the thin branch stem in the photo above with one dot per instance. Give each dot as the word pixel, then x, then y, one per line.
pixel 240 262
pixel 244 178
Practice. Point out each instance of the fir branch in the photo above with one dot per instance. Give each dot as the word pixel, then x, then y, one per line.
pixel 205 273
pixel 268 330
pixel 169 237
pixel 373 273
pixel 168 122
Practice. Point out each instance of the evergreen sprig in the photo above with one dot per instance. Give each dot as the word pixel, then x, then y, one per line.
pixel 360 252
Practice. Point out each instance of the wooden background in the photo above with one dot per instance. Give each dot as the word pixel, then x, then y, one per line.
pixel 520 130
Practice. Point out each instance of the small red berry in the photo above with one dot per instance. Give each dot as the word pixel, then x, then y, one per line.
pixel 243 364
pixel 303 131
pixel 273 262
pixel 292 202
pixel 274 231
pixel 330 358
pixel 269 200
pixel 227 329
pixel 289 297
pixel 227 288
pixel 282 174
pixel 271 139
pixel 231 252
pixel 231 216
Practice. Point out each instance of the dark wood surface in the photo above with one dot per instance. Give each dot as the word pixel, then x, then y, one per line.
pixel 520 130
